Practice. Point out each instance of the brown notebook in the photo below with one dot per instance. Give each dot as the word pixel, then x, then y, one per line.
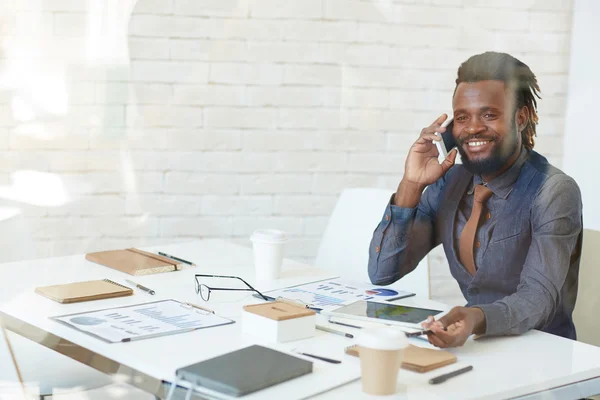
pixel 84 291
pixel 418 359
pixel 134 261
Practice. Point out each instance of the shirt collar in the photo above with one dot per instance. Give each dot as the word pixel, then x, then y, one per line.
pixel 502 185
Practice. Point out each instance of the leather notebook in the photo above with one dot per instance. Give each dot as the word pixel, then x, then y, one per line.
pixel 245 371
pixel 418 359
pixel 134 261
pixel 84 291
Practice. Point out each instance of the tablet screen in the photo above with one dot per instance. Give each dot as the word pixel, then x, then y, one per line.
pixel 392 312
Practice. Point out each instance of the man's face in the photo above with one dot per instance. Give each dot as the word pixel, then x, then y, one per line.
pixel 484 126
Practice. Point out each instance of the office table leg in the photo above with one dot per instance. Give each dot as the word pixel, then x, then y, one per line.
pixel 120 373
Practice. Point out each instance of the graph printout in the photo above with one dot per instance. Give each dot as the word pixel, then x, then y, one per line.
pixel 141 320
pixel 332 293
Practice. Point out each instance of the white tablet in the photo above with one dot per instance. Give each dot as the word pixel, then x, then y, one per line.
pixel 392 314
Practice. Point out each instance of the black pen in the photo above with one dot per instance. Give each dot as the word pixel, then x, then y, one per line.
pixel 329 360
pixel 445 377
pixel 418 333
pixel 160 253
pixel 404 296
pixel 343 324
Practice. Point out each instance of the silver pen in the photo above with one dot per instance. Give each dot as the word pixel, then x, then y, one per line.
pixel 329 330
pixel 141 287
pixel 155 335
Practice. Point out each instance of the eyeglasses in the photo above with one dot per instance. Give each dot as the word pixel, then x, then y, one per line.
pixel 204 290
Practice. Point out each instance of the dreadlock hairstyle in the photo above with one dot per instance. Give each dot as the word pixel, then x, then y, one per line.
pixel 515 74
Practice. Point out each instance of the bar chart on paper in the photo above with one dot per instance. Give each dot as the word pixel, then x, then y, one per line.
pixel 332 293
pixel 142 320
pixel 182 319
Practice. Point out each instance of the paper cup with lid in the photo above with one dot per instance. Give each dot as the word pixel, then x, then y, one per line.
pixel 381 351
pixel 268 247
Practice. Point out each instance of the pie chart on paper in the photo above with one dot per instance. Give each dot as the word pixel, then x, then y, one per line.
pixel 381 292
pixel 87 320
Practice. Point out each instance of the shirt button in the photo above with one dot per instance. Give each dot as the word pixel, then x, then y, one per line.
pixel 489 215
pixel 377 249
pixel 477 244
pixel 387 217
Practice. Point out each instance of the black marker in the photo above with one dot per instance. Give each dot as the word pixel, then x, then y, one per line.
pixel 445 377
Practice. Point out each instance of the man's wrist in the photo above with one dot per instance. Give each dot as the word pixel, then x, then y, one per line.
pixel 408 194
pixel 479 325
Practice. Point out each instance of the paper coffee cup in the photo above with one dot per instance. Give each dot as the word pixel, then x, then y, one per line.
pixel 268 253
pixel 381 352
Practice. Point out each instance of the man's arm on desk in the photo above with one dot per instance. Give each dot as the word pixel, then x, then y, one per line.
pixel 556 224
pixel 404 236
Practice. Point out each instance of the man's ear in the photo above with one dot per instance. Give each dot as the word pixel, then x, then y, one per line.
pixel 522 118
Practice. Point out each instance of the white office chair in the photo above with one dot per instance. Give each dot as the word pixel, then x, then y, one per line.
pixel 345 244
pixel 585 315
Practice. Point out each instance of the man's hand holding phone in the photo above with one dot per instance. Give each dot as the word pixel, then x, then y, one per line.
pixel 422 167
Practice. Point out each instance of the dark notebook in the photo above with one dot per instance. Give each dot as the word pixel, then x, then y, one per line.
pixel 245 371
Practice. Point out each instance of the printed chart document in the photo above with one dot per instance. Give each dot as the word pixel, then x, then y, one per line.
pixel 332 293
pixel 142 321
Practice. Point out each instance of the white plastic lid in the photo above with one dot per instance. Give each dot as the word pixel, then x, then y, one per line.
pixel 269 236
pixel 382 339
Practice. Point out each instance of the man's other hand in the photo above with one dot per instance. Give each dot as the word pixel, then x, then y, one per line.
pixel 454 328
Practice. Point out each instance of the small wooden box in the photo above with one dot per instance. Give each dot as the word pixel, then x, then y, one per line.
pixel 279 321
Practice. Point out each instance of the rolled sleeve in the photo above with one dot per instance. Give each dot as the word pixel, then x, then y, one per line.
pixel 496 319
pixel 389 236
pixel 400 215
pixel 403 237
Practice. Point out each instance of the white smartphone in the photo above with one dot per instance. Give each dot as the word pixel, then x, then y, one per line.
pixel 447 143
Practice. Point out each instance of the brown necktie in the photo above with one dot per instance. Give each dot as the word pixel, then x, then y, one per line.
pixel 467 236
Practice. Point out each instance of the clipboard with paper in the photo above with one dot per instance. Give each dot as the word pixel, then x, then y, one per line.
pixel 328 294
pixel 142 321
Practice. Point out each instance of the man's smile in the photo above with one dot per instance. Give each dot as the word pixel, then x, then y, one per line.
pixel 478 145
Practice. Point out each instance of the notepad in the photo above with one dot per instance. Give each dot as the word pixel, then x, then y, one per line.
pixel 245 371
pixel 418 359
pixel 134 261
pixel 84 291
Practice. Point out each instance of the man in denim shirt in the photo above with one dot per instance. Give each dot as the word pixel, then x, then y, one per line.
pixel 517 263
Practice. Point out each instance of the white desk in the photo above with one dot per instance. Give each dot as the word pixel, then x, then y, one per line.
pixel 503 367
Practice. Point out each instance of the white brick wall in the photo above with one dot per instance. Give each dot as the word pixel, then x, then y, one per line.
pixel 223 116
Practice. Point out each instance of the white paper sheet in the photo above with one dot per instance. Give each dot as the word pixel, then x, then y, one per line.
pixel 142 321
pixel 332 293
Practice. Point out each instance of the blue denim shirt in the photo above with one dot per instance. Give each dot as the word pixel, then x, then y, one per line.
pixel 527 249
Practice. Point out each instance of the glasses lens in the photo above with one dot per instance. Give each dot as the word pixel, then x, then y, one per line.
pixel 204 292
